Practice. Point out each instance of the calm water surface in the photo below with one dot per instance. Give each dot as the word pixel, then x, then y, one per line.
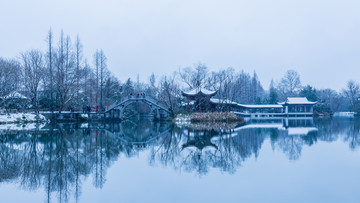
pixel 142 161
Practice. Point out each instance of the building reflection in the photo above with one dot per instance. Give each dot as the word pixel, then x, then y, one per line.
pixel 59 158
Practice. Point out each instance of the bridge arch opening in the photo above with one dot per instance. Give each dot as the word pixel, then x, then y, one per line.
pixel 118 109
pixel 140 109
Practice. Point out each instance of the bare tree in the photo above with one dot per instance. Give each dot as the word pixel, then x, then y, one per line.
pixel 65 74
pixel 50 68
pixel 78 59
pixel 242 86
pixel 103 76
pixel 223 81
pixel 33 69
pixel 194 77
pixel 329 98
pixel 97 71
pixel 10 79
pixel 290 84
pixel 101 73
pixel 89 84
pixel 352 92
pixel 170 92
pixel 10 74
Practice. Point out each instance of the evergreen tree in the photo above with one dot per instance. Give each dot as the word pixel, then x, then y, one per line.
pixel 273 96
pixel 309 92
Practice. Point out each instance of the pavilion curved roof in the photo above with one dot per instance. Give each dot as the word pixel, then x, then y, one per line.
pixel 197 91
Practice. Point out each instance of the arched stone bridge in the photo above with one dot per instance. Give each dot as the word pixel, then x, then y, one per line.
pixel 116 110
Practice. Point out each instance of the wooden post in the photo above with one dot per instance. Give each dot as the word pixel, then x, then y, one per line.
pixel 188 106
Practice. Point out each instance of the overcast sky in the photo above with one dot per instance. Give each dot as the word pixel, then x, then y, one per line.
pixel 318 38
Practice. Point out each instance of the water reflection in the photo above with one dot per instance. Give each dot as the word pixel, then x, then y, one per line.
pixel 59 158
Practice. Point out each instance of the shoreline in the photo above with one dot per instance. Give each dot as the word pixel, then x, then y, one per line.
pixel 208 117
pixel 22 118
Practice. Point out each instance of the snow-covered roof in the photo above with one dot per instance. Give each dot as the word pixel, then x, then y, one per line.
pixel 222 101
pixel 297 100
pixel 196 91
pixel 261 106
pixel 15 95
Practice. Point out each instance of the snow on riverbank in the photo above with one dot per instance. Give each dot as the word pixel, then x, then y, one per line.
pixel 17 126
pixel 21 118
pixel 209 120
pixel 182 120
pixel 215 117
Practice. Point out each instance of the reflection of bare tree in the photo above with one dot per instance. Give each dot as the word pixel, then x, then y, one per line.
pixel 31 164
pixel 330 134
pixel 197 160
pixel 353 135
pixel 58 159
pixel 101 163
pixel 291 146
pixel 10 159
pixel 331 130
pixel 167 150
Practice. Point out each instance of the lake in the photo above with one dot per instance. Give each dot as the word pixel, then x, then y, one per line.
pixel 285 160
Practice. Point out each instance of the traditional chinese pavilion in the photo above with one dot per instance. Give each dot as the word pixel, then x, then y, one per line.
pixel 199 99
pixel 298 106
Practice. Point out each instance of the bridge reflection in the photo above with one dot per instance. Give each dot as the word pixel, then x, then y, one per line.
pixel 57 157
pixel 116 110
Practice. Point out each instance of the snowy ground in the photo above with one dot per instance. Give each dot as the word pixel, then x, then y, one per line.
pixel 182 120
pixel 21 118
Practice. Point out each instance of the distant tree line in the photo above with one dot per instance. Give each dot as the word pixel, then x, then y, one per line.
pixel 60 78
